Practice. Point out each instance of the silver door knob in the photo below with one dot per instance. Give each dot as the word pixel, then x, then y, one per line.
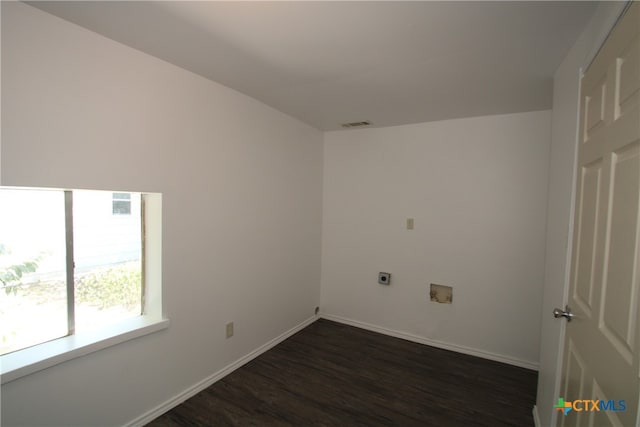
pixel 566 313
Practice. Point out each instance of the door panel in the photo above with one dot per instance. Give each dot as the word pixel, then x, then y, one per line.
pixel 575 370
pixel 588 202
pixel 628 69
pixel 619 296
pixel 612 417
pixel 594 108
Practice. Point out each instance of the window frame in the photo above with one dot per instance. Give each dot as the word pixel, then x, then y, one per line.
pixel 44 355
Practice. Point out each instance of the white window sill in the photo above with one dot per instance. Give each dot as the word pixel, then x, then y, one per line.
pixel 24 362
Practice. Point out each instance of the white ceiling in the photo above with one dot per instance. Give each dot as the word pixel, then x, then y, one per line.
pixel 332 62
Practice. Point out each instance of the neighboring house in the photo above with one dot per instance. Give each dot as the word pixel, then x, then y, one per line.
pixel 107 229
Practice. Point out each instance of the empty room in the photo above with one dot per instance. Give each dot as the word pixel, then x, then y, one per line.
pixel 331 213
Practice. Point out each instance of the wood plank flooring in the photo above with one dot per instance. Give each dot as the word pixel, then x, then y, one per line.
pixel 330 374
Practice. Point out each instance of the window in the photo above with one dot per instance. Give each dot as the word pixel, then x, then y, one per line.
pixel 33 302
pixel 121 204
pixel 71 266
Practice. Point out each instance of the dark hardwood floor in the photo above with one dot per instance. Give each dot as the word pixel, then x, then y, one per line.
pixel 330 374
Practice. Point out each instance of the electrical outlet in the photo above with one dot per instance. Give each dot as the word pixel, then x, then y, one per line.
pixel 229 329
pixel 384 278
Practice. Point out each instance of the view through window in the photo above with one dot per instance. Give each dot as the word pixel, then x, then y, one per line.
pixel 67 263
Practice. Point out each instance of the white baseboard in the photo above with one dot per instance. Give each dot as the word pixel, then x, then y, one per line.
pixel 536 417
pixel 435 343
pixel 198 387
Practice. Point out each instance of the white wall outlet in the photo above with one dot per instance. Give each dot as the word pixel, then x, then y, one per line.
pixel 229 329
pixel 409 223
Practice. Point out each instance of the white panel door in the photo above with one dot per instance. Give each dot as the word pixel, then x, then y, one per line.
pixel 602 342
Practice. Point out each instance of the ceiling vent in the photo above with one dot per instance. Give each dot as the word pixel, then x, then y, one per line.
pixel 356 124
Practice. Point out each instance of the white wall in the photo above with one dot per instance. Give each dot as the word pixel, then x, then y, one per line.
pixel 560 201
pixel 0 117
pixel 477 190
pixel 242 186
